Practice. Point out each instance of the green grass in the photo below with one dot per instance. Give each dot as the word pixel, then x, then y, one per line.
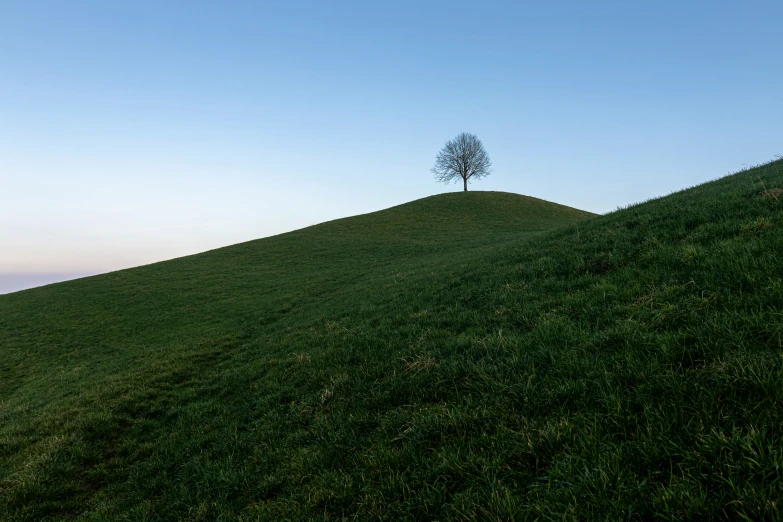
pixel 471 356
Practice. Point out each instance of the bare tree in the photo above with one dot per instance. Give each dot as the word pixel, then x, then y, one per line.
pixel 463 158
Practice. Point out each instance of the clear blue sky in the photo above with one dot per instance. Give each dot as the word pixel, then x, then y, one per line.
pixel 138 131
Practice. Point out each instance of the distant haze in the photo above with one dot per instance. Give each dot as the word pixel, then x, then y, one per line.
pixel 15 282
pixel 133 132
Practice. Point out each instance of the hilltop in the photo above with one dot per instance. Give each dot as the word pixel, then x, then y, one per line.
pixel 470 356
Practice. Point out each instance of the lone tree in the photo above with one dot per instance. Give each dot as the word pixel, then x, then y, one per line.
pixel 463 157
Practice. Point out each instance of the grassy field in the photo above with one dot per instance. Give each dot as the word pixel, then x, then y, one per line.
pixel 470 356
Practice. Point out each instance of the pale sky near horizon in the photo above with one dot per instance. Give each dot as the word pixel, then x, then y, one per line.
pixel 133 132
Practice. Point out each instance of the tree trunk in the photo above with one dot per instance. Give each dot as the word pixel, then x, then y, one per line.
pixel 465 181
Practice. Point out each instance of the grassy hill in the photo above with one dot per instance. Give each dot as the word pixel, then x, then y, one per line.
pixel 471 356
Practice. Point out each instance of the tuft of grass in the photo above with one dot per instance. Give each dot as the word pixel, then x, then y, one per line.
pixel 418 363
pixel 773 193
pixel 471 356
pixel 757 225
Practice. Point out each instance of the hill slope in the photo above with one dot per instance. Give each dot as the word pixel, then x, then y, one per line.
pixel 467 356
